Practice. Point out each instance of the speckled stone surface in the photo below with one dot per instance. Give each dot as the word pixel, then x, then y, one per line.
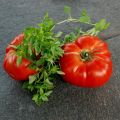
pixel 67 102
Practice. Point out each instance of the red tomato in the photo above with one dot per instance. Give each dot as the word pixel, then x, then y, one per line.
pixel 17 40
pixel 86 62
pixel 22 71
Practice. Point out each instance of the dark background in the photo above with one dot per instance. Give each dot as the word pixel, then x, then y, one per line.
pixel 67 102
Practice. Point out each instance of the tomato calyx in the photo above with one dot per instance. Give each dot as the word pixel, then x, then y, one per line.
pixel 86 55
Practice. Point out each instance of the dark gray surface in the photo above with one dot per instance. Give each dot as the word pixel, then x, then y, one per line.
pixel 67 102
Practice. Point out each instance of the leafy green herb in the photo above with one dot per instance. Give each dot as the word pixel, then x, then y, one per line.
pixel 60 73
pixel 84 17
pixel 59 34
pixel 96 28
pixel 67 10
pixel 102 25
pixel 32 78
pixel 43 48
pixel 70 37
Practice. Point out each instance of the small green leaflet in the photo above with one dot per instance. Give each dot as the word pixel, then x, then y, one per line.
pixel 19 60
pixel 70 37
pixel 32 78
pixel 48 93
pixel 67 9
pixel 84 17
pixel 102 25
pixel 41 91
pixel 30 51
pixel 48 82
pixel 59 34
pixel 40 61
pixel 60 73
pixel 44 98
pixel 35 97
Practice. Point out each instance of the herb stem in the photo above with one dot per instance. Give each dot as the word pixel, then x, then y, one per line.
pixel 73 20
pixel 62 22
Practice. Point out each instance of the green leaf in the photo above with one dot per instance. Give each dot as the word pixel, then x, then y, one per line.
pixel 70 37
pixel 73 36
pixel 84 12
pixel 19 60
pixel 60 73
pixel 54 69
pixel 101 25
pixel 37 48
pixel 25 49
pixel 25 84
pixel 48 93
pixel 67 9
pixel 30 51
pixel 106 26
pixel 41 91
pixel 32 78
pixel 79 32
pixel 32 66
pixel 48 82
pixel 50 60
pixel 84 18
pixel 44 98
pixel 31 87
pixel 67 38
pixel 35 97
pixel 59 34
pixel 40 61
pixel 45 74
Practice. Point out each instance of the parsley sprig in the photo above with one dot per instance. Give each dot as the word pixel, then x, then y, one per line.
pixel 43 48
pixel 84 18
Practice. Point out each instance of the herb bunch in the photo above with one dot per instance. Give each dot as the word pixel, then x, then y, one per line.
pixel 43 48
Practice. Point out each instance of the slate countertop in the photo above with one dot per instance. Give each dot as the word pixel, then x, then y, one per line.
pixel 67 102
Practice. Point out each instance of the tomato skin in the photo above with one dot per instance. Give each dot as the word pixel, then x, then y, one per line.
pixel 22 71
pixel 93 73
pixel 17 40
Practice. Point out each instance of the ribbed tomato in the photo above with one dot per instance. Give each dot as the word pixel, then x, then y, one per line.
pixel 22 71
pixel 86 62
